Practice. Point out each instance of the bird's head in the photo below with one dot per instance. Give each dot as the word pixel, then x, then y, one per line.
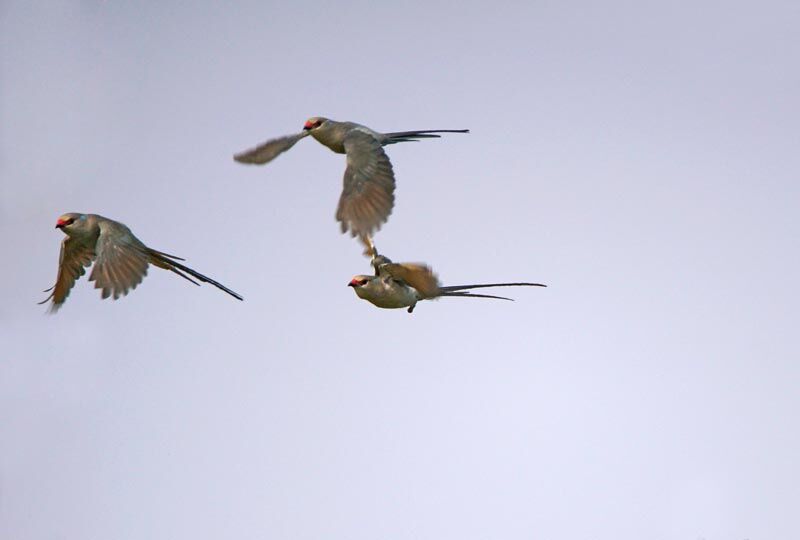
pixel 359 281
pixel 314 122
pixel 71 222
pixel 360 285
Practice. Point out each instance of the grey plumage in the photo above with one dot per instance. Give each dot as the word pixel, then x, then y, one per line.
pixel 368 187
pixel 120 259
pixel 402 285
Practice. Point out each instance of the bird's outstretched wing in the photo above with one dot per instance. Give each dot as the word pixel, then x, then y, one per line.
pixel 368 191
pixel 72 262
pixel 121 260
pixel 268 151
pixel 416 275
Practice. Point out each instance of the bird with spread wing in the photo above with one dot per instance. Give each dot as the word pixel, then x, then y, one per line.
pixel 367 195
pixel 120 259
pixel 402 285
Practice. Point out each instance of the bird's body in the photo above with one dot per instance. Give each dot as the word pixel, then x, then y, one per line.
pixel 332 134
pixel 120 259
pixel 368 188
pixel 402 285
pixel 385 292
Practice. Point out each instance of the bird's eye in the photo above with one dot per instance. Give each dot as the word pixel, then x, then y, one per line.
pixel 69 221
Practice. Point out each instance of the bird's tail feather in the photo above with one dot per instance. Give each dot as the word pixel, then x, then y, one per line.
pixel 467 294
pixel 451 288
pixel 414 136
pixel 461 290
pixel 168 262
pixel 167 255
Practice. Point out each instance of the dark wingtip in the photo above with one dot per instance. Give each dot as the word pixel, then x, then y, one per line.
pixel 52 310
pixel 49 297
pixel 242 158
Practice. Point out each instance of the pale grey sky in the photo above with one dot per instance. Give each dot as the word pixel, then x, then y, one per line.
pixel 639 157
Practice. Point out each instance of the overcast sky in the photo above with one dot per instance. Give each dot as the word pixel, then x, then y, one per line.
pixel 641 158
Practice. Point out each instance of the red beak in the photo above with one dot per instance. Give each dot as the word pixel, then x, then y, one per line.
pixel 354 283
pixel 308 125
pixel 60 223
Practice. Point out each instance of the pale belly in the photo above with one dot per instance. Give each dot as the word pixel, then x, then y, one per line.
pixel 392 303
pixel 391 296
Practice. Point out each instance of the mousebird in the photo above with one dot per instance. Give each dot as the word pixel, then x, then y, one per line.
pixel 402 285
pixel 368 192
pixel 120 259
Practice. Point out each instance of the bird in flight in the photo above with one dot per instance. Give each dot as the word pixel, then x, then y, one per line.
pixel 402 285
pixel 120 259
pixel 368 191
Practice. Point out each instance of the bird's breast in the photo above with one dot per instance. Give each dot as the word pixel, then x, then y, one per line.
pixel 389 295
pixel 332 137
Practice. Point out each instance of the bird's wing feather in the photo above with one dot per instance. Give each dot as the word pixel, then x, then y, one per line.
pixel 75 256
pixel 368 192
pixel 121 260
pixel 416 275
pixel 264 153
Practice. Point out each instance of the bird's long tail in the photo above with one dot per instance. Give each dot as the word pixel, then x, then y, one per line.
pixel 451 288
pixel 414 136
pixel 169 262
pixel 467 294
pixel 461 290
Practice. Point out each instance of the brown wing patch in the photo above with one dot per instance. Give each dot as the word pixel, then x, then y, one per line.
pixel 419 276
pixel 121 264
pixel 72 262
pixel 368 192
